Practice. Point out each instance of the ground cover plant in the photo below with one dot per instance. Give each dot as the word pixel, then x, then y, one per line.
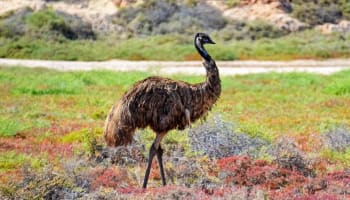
pixel 272 136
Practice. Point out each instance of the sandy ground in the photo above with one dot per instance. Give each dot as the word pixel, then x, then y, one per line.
pixel 192 67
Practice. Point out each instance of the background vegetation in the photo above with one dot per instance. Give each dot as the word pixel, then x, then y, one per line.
pixel 315 12
pixel 152 31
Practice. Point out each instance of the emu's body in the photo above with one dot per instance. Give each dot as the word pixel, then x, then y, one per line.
pixel 163 104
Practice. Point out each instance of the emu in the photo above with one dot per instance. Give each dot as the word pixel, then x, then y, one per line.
pixel 163 104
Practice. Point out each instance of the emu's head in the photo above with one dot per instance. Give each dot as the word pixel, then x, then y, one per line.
pixel 203 38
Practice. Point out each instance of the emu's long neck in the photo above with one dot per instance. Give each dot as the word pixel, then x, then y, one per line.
pixel 213 82
pixel 211 88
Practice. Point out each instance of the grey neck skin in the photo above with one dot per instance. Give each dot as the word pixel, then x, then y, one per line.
pixel 201 50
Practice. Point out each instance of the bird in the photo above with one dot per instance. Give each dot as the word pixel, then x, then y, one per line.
pixel 163 104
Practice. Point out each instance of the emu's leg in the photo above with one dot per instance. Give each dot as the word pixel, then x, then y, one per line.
pixel 152 153
pixel 188 117
pixel 160 162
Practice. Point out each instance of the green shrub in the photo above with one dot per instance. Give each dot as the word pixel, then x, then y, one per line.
pixel 87 137
pixel 232 3
pixel 316 12
pixel 260 29
pixel 236 30
pixel 337 139
pixel 12 24
pixel 47 20
pixel 163 17
pixel 46 23
pixel 346 9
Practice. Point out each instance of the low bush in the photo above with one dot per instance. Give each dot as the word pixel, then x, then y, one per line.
pixel 217 138
pixel 163 17
pixel 287 155
pixel 86 137
pixel 315 12
pixel 46 19
pixel 14 25
pixel 45 184
pixel 46 24
pixel 337 139
pixel 255 30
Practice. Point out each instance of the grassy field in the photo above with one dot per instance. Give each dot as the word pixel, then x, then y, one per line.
pixel 49 118
pixel 302 45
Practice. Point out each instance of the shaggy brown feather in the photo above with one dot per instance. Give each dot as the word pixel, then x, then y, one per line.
pixel 162 104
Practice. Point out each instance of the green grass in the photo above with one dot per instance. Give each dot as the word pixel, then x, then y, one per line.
pixel 69 108
pixel 341 86
pixel 9 127
pixel 337 157
pixel 86 137
pixel 307 44
pixel 11 160
pixel 259 102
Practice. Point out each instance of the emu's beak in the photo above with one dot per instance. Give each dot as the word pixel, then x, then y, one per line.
pixel 211 41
